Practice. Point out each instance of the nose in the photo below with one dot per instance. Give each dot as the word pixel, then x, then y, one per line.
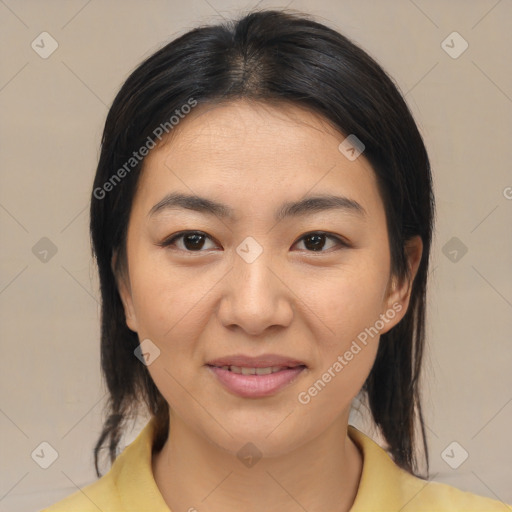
pixel 255 297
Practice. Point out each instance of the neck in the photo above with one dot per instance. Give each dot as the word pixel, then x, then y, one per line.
pixel 194 474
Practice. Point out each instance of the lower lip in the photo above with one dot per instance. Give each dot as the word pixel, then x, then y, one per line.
pixel 256 386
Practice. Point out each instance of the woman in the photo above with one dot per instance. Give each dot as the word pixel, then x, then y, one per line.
pixel 261 217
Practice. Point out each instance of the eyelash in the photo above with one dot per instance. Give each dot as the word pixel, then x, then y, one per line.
pixel 172 239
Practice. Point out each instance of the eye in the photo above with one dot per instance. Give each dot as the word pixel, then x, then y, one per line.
pixel 194 241
pixel 315 241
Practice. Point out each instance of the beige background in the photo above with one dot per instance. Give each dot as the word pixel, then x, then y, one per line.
pixel 52 116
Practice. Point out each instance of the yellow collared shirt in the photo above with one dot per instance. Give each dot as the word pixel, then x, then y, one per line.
pixel 129 486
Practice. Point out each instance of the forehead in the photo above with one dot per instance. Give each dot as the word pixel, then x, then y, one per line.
pixel 247 127
pixel 250 154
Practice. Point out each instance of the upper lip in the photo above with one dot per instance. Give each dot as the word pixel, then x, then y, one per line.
pixel 263 361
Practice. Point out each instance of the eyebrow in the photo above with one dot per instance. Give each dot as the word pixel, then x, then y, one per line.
pixel 308 205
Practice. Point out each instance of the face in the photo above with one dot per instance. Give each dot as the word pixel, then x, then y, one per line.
pixel 300 291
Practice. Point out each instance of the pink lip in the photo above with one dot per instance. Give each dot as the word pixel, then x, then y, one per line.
pixel 256 386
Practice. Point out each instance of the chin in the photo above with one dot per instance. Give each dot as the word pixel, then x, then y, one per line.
pixel 271 437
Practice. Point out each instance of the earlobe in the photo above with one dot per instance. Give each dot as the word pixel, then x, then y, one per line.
pixel 124 290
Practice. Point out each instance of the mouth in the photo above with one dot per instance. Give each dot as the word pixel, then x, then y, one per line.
pixel 244 370
pixel 264 361
pixel 259 377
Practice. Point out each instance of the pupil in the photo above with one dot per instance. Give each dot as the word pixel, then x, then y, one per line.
pixel 196 238
pixel 318 242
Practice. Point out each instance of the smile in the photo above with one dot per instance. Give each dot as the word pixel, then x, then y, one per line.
pixel 254 371
pixel 252 382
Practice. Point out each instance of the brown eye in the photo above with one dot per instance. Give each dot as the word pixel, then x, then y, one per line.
pixel 194 241
pixel 191 241
pixel 315 242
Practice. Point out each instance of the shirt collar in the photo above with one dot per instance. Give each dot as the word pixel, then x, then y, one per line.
pixel 133 476
pixel 380 477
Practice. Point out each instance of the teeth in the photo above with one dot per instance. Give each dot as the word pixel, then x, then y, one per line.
pixel 253 371
pixel 263 371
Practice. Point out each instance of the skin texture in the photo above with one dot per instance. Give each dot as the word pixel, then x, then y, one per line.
pixel 292 300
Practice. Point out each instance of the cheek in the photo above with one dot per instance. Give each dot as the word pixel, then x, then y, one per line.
pixel 345 300
pixel 347 306
pixel 169 298
pixel 345 353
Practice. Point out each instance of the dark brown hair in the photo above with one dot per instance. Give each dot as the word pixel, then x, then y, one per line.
pixel 268 56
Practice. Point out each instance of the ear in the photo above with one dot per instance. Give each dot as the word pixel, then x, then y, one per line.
pixel 124 289
pixel 398 293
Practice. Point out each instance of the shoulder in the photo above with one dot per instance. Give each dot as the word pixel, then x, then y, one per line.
pixel 426 495
pixel 129 485
pixel 100 495
pixel 388 488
